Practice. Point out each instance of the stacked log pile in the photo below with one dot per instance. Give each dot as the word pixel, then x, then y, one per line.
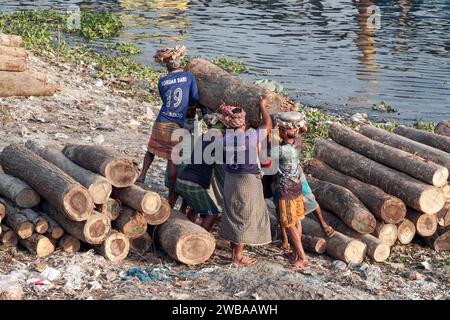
pixel 15 77
pixel 382 188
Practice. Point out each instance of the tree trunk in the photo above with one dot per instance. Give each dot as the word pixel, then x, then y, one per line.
pixel 39 245
pixel 426 224
pixel 443 216
pixel 120 171
pixel 439 241
pixel 111 208
pixel 386 232
pixel 115 248
pixel 185 241
pixel 344 204
pixel 414 193
pixel 430 139
pixel 376 249
pixel 384 206
pixel 40 224
pixel 69 244
pixel 8 238
pixel 408 145
pixel 142 244
pixel 161 216
pixel 147 202
pixel 13 51
pixel 94 230
pixel 13 64
pixel 54 230
pixel 406 231
pixel 99 188
pixel 2 209
pixel 20 224
pixel 408 163
pixel 25 84
pixel 53 184
pixel 216 86
pixel 131 223
pixel 10 40
pixel 314 244
pixel 18 191
pixel 446 190
pixel 339 246
pixel 443 128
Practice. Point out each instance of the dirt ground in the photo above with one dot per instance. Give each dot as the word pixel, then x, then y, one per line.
pixel 88 110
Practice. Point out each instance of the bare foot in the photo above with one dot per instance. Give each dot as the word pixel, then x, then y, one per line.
pixel 140 180
pixel 285 246
pixel 291 256
pixel 300 265
pixel 244 261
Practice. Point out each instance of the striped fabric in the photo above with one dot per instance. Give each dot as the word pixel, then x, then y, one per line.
pixel 160 142
pixel 197 198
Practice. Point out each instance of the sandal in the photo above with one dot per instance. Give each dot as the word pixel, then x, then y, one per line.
pixel 329 231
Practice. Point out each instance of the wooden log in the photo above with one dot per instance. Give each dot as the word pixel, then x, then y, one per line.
pixel 443 128
pixel 344 204
pixel 120 171
pixel 420 196
pixel 40 224
pixel 94 230
pixel 429 138
pixel 408 145
pixel 18 191
pixel 141 245
pixel 39 245
pixel 185 241
pixel 2 209
pixel 13 64
pixel 99 188
pixel 20 224
pixel 383 206
pixel 13 51
pixel 314 244
pixel 408 163
pixel 115 247
pixel 25 84
pixel 339 246
pixel 386 232
pixel 131 223
pixel 216 86
pixel 443 216
pixel 10 40
pixel 54 230
pixel 161 216
pixel 111 208
pixel 376 249
pixel 406 230
pixel 426 224
pixel 69 243
pixel 440 240
pixel 53 184
pixel 8 238
pixel 147 202
pixel 446 190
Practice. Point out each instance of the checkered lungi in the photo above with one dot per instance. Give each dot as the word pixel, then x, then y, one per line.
pixel 161 143
pixel 197 197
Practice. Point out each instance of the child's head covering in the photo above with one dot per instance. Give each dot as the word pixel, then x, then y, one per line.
pixel 232 117
pixel 170 56
pixel 291 120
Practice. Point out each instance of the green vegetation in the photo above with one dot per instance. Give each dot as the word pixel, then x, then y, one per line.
pixel 230 65
pixel 99 25
pixel 129 49
pixel 383 107
pixel 425 126
pixel 317 122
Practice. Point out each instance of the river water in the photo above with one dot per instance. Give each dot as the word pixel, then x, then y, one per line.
pixel 324 53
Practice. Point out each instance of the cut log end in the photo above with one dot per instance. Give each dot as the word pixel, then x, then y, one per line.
pixel 161 215
pixel 355 252
pixel 111 208
pixel 440 177
pixel 9 239
pixel 393 211
pixel 432 201
pixel 142 244
pixel 193 249
pixel 57 233
pixel 78 204
pixel 69 244
pixel 97 228
pixel 41 226
pixel 381 252
pixel 406 231
pixel 364 223
pixel 121 173
pixel 27 198
pixel 388 233
pixel 100 191
pixel 426 225
pixel 25 230
pixel 116 247
pixel 443 216
pixel 151 203
pixel 39 245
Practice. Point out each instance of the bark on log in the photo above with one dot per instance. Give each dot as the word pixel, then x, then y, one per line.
pixel 94 230
pixel 147 202
pixel 339 246
pixel 406 230
pixel 430 139
pixel 314 244
pixel 25 84
pixel 120 171
pixel 99 188
pixel 115 247
pixel 13 51
pixel 8 238
pixel 376 249
pixel 142 244
pixel 344 204
pixel 131 223
pixel 386 232
pixel 18 191
pixel 39 245
pixel 10 40
pixel 20 224
pixel 414 193
pixel 161 216
pixel 185 241
pixel 426 224
pixel 69 243
pixel 443 216
pixel 443 128
pixel 12 64
pixel 54 230
pixel 40 224
pixel 408 163
pixel 53 184
pixel 111 208
pixel 2 210
pixel 383 206
pixel 440 241
pixel 216 86
pixel 408 145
